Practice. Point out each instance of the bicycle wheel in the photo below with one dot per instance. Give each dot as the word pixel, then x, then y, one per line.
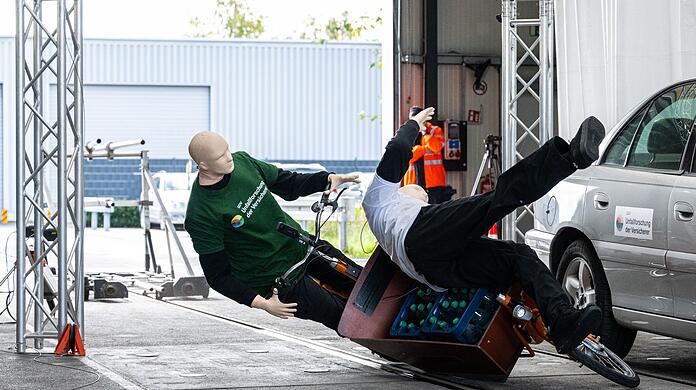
pixel 604 362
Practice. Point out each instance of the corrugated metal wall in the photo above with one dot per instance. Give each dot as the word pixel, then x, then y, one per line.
pixel 277 100
pixel 465 28
pixel 411 27
pixel 166 117
pixel 469 27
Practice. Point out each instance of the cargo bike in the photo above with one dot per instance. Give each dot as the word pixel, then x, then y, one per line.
pixel 465 332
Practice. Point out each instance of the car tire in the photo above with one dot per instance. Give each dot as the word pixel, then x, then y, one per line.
pixel 580 253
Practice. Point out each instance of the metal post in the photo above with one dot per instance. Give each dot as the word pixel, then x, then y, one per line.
pixel 38 181
pixel 62 133
pixel 431 51
pixel 546 54
pixel 541 129
pixel 396 56
pixel 19 160
pixel 170 224
pixel 145 202
pixel 79 172
pixel 43 58
pixel 169 250
pixel 509 107
pixel 343 204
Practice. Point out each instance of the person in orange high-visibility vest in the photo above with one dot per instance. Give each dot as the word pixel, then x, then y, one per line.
pixel 426 167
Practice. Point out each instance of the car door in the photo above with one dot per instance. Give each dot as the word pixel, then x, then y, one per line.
pixel 681 253
pixel 627 205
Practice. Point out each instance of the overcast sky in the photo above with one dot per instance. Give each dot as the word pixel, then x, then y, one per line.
pixel 170 18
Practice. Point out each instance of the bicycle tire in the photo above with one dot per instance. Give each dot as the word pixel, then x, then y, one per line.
pixel 596 356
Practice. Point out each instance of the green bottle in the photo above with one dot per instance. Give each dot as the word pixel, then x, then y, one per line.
pixel 421 307
pixel 420 293
pixel 402 324
pixel 430 306
pixel 442 324
pixel 421 322
pixel 455 304
pixel 411 326
pixel 455 290
pixel 445 304
pixel 432 320
pixel 455 321
pixel 413 307
pixel 462 303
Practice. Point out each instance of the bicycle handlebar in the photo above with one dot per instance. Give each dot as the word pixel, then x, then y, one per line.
pixel 313 242
pixel 291 232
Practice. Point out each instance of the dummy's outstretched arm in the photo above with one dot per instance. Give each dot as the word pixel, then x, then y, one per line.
pixel 394 162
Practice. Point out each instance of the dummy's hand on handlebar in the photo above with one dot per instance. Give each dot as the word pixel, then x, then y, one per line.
pixel 423 117
pixel 336 180
pixel 274 306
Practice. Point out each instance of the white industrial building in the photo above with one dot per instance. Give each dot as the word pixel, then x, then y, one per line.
pixel 280 101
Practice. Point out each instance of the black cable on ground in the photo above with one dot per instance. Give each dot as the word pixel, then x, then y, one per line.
pixel 10 293
pixel 8 300
pixel 36 359
pixel 40 354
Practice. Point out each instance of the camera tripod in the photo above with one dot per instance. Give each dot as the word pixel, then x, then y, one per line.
pixel 490 162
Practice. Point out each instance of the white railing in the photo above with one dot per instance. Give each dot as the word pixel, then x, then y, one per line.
pixel 97 206
pixel 301 211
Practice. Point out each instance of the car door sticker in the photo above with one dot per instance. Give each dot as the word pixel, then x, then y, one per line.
pixel 633 222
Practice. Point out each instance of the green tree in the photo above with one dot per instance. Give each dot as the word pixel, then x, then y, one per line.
pixel 343 28
pixel 339 29
pixel 236 19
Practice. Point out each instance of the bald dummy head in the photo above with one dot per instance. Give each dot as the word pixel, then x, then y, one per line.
pixel 414 191
pixel 212 154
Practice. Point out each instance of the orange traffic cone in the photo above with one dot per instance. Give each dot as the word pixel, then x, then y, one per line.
pixel 70 342
pixel 493 231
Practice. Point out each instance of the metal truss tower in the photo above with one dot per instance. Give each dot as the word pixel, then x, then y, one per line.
pixel 514 86
pixel 49 152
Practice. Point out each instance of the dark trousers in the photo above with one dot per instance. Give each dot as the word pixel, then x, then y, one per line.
pixel 437 195
pixel 445 244
pixel 313 302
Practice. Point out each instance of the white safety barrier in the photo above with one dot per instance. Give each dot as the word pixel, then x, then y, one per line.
pixel 301 211
pixel 96 206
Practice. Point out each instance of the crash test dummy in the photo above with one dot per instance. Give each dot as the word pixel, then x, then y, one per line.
pixel 443 245
pixel 232 218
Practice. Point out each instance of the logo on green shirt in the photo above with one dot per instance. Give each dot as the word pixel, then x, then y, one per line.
pixel 237 221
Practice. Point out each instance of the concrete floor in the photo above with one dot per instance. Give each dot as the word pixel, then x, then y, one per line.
pixel 142 343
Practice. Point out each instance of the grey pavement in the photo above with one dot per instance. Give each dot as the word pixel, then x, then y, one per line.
pixel 142 343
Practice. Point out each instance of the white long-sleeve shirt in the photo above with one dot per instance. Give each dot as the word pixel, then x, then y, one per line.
pixel 390 215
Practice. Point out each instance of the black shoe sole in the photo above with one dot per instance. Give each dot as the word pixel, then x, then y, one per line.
pixel 591 135
pixel 589 322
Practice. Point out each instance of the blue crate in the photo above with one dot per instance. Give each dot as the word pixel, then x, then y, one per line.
pixel 399 331
pixel 472 333
pixel 450 330
pixel 472 322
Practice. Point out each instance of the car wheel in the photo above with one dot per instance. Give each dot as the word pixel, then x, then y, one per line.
pixel 582 277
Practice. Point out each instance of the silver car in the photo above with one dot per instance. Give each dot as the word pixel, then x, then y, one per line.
pixel 621 234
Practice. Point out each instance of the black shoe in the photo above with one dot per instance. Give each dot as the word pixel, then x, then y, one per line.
pixel 571 331
pixel 584 147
